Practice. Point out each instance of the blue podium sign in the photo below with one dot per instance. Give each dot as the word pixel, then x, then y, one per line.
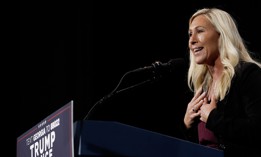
pixel 52 137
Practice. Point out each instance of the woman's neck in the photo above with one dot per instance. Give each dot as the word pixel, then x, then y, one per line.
pixel 216 69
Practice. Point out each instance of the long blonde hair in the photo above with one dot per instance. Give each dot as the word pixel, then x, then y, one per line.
pixel 232 49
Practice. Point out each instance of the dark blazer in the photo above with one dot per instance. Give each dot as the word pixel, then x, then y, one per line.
pixel 237 119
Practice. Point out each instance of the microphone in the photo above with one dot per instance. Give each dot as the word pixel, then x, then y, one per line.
pixel 159 68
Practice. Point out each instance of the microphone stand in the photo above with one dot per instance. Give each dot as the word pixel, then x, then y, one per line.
pixel 116 91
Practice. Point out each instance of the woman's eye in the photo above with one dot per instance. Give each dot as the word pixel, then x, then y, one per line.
pixel 199 31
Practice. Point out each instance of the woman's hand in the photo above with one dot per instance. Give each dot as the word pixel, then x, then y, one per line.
pixel 206 108
pixel 193 108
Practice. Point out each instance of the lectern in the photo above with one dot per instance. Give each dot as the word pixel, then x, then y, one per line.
pixel 109 138
pixel 58 136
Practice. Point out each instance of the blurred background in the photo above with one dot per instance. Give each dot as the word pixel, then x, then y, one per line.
pixel 79 50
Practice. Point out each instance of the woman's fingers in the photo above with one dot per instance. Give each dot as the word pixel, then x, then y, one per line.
pixel 197 106
pixel 196 95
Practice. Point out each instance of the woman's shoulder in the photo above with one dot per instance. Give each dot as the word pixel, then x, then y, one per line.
pixel 246 66
pixel 246 69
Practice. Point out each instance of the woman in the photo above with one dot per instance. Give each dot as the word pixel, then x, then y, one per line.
pixel 225 112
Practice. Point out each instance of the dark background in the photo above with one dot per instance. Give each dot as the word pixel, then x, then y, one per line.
pixel 79 50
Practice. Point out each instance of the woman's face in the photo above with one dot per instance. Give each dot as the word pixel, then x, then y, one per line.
pixel 203 41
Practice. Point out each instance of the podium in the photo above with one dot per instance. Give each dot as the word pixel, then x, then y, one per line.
pixel 57 135
pixel 109 138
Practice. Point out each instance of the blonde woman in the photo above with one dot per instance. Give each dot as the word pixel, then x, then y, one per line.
pixel 225 112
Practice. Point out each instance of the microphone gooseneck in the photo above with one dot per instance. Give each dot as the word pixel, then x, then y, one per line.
pixel 158 69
